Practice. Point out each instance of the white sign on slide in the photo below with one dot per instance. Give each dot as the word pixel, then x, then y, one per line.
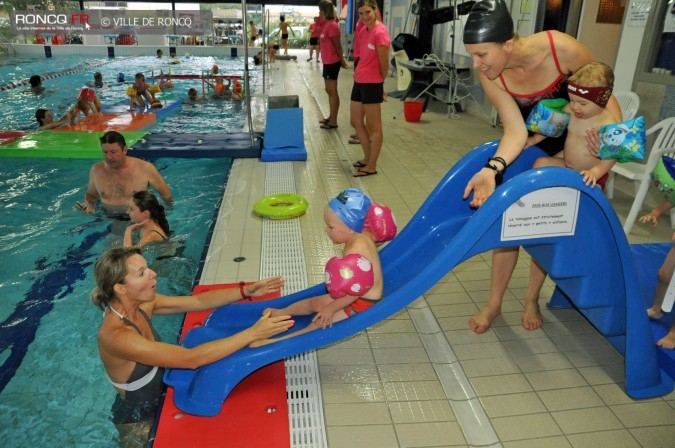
pixel 542 214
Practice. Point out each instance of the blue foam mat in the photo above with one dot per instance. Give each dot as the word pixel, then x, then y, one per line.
pixel 198 145
pixel 284 136
pixel 445 232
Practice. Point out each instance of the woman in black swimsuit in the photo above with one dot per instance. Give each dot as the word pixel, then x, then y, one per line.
pixel 133 355
pixel 147 215
pixel 516 73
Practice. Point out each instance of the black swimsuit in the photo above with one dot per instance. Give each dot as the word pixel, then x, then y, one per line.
pixel 557 89
pixel 141 404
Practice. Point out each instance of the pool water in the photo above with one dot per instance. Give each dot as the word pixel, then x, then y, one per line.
pixel 212 115
pixel 53 388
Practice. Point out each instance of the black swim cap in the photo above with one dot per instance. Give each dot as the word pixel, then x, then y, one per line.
pixel 488 21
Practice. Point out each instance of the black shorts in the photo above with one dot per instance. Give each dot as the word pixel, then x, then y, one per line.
pixel 284 36
pixel 314 41
pixel 368 93
pixel 331 71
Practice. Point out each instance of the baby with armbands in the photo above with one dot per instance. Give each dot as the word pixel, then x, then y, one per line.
pixel 589 89
pixel 354 282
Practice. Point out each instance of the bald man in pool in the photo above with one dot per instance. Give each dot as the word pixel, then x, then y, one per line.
pixel 115 179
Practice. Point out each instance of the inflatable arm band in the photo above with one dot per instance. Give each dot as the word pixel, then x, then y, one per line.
pixel 351 275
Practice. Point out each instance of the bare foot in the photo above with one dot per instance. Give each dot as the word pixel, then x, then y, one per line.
pixel 668 341
pixel 655 313
pixel 481 320
pixel 532 318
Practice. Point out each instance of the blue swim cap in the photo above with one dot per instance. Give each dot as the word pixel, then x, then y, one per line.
pixel 351 206
pixel 120 77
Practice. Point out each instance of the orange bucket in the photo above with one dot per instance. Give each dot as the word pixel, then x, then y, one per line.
pixel 413 110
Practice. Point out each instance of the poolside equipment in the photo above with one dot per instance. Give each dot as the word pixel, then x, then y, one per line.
pixel 412 110
pixel 62 145
pixel 262 395
pixel 10 136
pixel 211 145
pixel 284 131
pixel 602 285
pixel 281 206
pixel 286 57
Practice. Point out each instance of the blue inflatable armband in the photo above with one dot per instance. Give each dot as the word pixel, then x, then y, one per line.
pixel 624 141
pixel 547 118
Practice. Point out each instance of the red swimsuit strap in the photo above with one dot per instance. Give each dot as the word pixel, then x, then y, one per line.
pixel 557 64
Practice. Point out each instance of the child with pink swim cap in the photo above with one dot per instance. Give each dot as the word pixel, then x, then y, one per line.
pixel 354 282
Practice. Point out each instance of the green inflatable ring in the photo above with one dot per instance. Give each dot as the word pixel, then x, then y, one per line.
pixel 664 181
pixel 281 206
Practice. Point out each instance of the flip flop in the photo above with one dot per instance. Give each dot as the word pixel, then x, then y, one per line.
pixel 323 121
pixel 355 141
pixel 361 173
pixel 328 126
pixel 358 164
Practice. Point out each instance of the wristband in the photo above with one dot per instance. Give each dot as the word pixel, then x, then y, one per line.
pixel 241 291
pixel 500 160
pixel 498 174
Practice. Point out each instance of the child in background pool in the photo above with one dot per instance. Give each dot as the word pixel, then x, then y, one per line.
pixel 87 102
pixel 354 282
pixel 142 90
pixel 147 215
pixel 192 96
pixel 237 90
pixel 220 90
pixel 664 276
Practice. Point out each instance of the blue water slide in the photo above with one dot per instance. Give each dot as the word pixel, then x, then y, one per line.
pixel 593 270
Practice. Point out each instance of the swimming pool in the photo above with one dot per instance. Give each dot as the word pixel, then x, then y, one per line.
pixel 58 394
pixel 61 91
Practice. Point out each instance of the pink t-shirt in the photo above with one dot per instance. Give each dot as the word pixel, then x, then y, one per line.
pixel 314 29
pixel 329 54
pixel 368 70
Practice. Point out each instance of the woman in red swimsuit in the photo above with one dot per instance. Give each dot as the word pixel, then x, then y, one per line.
pixel 516 73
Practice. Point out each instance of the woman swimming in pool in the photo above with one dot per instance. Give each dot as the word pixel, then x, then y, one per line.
pixel 131 351
pixel 147 215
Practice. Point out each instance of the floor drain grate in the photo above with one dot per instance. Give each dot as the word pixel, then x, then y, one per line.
pixel 282 253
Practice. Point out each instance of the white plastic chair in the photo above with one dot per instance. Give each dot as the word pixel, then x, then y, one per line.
pixel 403 74
pixel 639 172
pixel 629 102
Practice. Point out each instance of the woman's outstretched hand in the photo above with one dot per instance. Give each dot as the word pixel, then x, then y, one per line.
pixel 267 326
pixel 483 185
pixel 264 286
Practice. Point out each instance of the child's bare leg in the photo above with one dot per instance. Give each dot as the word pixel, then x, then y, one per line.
pixel 302 307
pixel 504 261
pixel 663 279
pixel 532 318
pixel 337 317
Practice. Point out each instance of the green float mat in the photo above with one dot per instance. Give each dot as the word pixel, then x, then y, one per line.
pixel 62 145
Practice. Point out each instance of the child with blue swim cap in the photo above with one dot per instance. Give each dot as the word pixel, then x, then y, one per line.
pixel 354 282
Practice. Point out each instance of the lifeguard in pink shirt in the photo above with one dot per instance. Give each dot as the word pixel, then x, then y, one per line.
pixel 314 34
pixel 333 60
pixel 368 91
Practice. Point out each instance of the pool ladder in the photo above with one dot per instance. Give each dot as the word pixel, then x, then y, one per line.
pixel 6 44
